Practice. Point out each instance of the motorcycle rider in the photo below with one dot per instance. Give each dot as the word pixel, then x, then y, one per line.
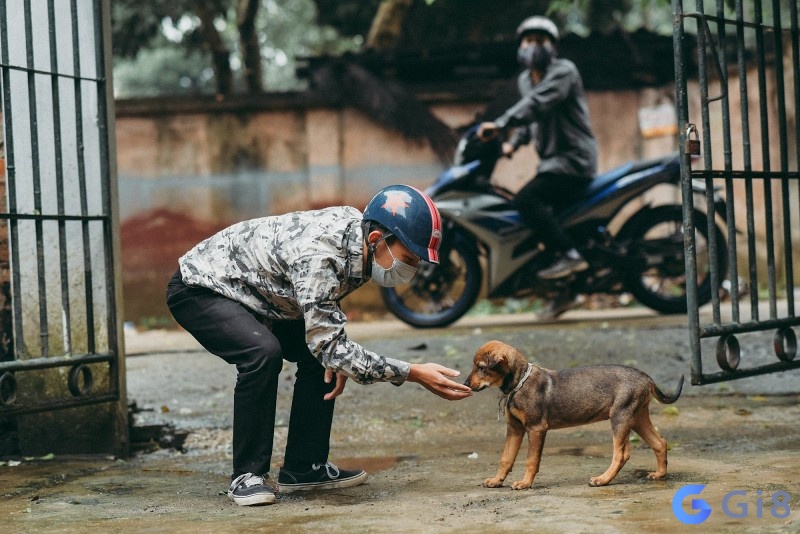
pixel 552 112
pixel 268 289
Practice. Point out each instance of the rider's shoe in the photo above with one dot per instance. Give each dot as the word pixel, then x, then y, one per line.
pixel 557 307
pixel 564 266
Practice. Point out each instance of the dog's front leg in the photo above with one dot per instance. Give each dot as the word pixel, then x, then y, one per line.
pixel 514 435
pixel 535 446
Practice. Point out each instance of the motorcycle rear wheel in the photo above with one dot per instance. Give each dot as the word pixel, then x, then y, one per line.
pixel 439 294
pixel 657 273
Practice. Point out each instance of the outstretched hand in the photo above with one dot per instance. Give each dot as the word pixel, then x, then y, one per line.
pixel 434 378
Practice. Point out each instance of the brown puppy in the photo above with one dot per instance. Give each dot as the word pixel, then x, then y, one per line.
pixel 539 399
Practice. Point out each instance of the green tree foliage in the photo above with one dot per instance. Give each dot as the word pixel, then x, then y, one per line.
pixel 442 23
pixel 252 45
pixel 215 46
pixel 230 46
pixel 584 16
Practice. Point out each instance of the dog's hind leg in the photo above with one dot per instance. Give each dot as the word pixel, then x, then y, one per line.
pixel 621 431
pixel 643 426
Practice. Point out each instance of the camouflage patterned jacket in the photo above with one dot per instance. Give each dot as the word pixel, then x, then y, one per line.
pixel 296 266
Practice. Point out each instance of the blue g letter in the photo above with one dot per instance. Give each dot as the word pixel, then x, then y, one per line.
pixel 742 505
pixel 704 510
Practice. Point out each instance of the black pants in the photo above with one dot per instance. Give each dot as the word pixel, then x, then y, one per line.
pixel 229 330
pixel 540 199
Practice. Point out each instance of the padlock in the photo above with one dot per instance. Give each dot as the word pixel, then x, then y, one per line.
pixel 692 146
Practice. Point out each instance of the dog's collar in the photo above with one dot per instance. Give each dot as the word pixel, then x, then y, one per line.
pixel 523 379
pixel 507 398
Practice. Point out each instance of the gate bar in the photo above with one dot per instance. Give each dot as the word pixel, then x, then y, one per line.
pixel 66 324
pixel 44 333
pixel 51 362
pixel 60 405
pixel 713 47
pixel 751 326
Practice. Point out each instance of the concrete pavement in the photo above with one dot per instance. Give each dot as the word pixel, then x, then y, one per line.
pixel 427 457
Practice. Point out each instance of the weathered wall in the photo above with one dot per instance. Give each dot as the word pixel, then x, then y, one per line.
pixel 187 169
pixel 205 159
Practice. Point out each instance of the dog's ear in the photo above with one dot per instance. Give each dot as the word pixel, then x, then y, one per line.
pixel 497 359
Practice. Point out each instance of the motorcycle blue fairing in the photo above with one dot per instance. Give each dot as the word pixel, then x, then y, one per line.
pixel 452 174
pixel 606 194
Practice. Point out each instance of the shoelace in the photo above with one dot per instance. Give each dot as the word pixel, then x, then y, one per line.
pixel 247 480
pixel 332 470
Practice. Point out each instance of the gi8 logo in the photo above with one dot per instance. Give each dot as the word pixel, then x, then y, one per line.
pixel 780 505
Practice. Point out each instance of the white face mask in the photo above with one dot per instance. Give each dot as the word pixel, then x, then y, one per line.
pixel 398 273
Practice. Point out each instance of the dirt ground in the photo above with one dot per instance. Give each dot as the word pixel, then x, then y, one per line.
pixel 426 456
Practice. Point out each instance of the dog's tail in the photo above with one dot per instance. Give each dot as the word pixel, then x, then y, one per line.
pixel 668 399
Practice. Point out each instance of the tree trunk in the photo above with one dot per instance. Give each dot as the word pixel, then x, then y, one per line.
pixel 219 52
pixel 251 48
pixel 387 26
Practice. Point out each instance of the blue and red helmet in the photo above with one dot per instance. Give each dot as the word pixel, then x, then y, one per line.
pixel 411 216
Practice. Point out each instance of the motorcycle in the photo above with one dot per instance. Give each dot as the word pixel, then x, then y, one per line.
pixel 483 231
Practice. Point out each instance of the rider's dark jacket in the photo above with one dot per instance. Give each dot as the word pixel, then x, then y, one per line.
pixel 554 114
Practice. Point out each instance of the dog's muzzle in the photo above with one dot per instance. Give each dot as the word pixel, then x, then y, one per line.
pixel 473 388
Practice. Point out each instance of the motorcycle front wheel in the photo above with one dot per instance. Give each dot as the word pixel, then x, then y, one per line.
pixel 439 294
pixel 656 273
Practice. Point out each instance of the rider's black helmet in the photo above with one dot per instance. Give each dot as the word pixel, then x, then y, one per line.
pixel 537 24
pixel 411 216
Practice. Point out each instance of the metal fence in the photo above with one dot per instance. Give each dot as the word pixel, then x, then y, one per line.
pixel 745 110
pixel 58 216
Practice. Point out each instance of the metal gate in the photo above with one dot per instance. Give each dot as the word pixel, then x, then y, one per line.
pixel 61 289
pixel 741 116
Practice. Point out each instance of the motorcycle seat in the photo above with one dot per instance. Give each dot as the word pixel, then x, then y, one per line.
pixel 600 181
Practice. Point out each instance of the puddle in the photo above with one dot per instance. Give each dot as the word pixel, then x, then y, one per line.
pixel 372 464
pixel 591 451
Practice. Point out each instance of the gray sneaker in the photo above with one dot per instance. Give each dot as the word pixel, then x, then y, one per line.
pixel 556 307
pixel 249 489
pixel 565 266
